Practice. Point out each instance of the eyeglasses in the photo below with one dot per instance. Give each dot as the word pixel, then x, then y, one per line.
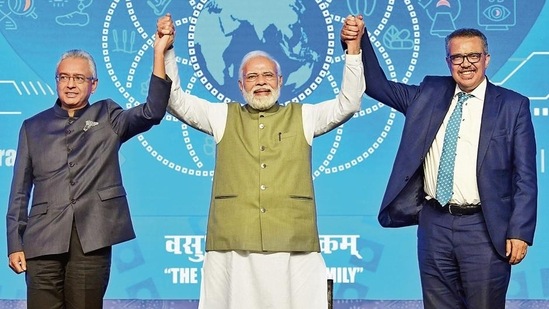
pixel 252 77
pixel 79 79
pixel 459 58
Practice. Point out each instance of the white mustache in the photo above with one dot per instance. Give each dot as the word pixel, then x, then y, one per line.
pixel 262 88
pixel 261 102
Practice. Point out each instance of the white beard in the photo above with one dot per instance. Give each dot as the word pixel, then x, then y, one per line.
pixel 264 102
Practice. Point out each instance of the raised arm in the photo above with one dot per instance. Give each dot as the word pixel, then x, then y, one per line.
pixel 198 113
pixel 329 114
pixel 162 43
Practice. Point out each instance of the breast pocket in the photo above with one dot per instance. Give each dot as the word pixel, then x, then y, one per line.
pixel 286 142
pixel 91 126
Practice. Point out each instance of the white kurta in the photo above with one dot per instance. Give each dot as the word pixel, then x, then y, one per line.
pixel 281 280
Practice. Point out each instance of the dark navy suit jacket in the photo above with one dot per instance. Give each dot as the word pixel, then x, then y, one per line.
pixel 506 164
pixel 72 168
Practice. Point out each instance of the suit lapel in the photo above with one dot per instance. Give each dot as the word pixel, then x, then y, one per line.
pixel 492 105
pixel 439 109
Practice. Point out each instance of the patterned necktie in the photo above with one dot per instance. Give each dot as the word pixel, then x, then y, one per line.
pixel 445 178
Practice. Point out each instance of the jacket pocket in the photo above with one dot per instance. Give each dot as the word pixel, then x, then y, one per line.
pixel 301 197
pixel 111 192
pixel 38 209
pixel 226 196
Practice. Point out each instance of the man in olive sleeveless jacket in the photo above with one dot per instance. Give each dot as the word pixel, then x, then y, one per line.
pixel 276 212
pixel 262 241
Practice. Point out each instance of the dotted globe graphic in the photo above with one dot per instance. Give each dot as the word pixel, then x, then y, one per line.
pixel 323 77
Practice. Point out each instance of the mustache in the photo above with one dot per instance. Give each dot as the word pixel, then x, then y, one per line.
pixel 265 87
pixel 260 102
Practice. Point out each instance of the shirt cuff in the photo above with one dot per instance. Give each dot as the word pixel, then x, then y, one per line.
pixel 353 59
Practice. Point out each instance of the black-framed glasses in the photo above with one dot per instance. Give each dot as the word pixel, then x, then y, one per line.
pixel 78 78
pixel 252 77
pixel 459 58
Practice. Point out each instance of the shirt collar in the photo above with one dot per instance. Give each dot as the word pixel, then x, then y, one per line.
pixel 478 92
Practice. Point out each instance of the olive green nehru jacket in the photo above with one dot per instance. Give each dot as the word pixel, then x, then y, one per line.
pixel 262 197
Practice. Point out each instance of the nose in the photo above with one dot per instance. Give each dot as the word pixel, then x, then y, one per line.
pixel 71 82
pixel 261 80
pixel 466 59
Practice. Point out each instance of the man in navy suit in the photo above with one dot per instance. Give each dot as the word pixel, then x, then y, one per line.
pixel 466 246
pixel 67 157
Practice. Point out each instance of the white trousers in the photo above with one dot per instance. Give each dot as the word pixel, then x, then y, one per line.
pixel 282 280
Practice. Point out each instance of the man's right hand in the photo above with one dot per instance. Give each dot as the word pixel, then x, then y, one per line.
pixel 165 26
pixel 352 32
pixel 17 262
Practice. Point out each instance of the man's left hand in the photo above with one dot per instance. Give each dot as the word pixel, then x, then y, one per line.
pixel 515 250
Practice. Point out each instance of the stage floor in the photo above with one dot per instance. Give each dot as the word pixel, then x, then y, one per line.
pixel 338 304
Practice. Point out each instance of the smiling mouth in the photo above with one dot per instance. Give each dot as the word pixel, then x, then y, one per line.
pixel 262 91
pixel 467 72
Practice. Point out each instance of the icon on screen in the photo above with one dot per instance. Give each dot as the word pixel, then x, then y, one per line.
pixel 17 8
pixel 497 14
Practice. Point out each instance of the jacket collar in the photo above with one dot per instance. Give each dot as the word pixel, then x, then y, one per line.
pixel 60 112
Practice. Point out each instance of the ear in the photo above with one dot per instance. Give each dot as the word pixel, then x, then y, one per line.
pixel 94 85
pixel 487 60
pixel 240 85
pixel 280 81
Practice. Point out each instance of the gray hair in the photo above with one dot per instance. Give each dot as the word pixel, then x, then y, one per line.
pixel 253 54
pixel 78 53
pixel 467 33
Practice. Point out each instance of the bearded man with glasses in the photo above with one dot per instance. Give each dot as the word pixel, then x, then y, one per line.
pixel 465 172
pixel 262 243
pixel 67 159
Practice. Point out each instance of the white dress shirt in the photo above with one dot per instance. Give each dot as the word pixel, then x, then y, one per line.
pixel 465 190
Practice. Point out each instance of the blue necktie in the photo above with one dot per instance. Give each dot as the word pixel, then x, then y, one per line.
pixel 445 178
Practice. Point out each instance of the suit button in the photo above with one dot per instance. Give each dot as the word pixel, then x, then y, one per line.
pixel 73 201
pixel 72 164
pixel 406 178
pixel 72 182
pixel 263 210
pixel 263 187
pixel 262 148
pixel 68 131
pixel 263 165
pixel 261 126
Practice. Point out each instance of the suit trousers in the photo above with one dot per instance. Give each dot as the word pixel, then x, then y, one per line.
pixel 459 267
pixel 72 280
